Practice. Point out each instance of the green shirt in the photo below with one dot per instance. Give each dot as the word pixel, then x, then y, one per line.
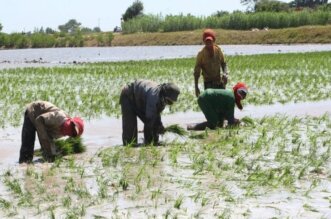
pixel 217 104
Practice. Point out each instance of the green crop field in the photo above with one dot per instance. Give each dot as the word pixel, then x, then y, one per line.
pixel 277 166
pixel 93 90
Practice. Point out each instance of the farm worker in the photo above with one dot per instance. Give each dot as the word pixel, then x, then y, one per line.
pixel 145 99
pixel 50 123
pixel 209 61
pixel 219 104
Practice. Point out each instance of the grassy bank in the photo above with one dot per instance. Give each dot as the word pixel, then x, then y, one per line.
pixel 306 34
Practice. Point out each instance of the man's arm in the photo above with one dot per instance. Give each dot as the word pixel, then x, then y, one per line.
pixel 197 72
pixel 47 144
pixel 196 85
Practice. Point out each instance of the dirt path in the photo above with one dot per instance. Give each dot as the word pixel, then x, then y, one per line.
pixel 107 131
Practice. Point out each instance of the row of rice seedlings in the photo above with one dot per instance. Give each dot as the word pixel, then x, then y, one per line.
pixel 90 91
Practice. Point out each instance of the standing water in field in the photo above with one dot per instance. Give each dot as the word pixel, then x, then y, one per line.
pixel 61 56
pixel 106 131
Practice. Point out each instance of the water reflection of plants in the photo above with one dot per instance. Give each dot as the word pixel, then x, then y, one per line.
pixel 209 176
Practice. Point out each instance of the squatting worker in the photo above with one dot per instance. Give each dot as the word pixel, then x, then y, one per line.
pixel 219 104
pixel 209 61
pixel 145 99
pixel 50 123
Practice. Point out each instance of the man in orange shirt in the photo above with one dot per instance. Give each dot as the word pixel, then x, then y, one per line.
pixel 210 60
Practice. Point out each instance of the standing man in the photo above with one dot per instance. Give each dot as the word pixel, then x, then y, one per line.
pixel 219 104
pixel 145 99
pixel 50 123
pixel 210 60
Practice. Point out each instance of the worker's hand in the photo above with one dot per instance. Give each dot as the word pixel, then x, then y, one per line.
pixel 225 79
pixel 197 92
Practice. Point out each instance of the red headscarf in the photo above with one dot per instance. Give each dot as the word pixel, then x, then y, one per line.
pixel 73 127
pixel 209 34
pixel 242 86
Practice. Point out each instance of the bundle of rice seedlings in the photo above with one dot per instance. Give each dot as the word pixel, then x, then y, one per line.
pixel 176 129
pixel 71 145
pixel 247 120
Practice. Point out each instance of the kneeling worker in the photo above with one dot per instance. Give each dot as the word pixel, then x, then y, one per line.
pixel 218 104
pixel 50 123
pixel 145 99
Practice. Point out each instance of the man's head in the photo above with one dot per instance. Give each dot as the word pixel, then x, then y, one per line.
pixel 169 92
pixel 240 91
pixel 77 125
pixel 209 37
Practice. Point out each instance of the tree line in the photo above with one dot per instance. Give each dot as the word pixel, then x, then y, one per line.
pixel 70 34
pixel 259 14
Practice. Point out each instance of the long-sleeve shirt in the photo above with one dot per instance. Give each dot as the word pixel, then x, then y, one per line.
pixel 217 104
pixel 47 120
pixel 148 105
pixel 210 66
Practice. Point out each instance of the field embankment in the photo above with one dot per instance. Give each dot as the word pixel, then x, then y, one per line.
pixel 305 34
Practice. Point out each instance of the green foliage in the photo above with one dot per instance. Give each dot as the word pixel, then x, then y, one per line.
pixel 70 27
pixel 307 3
pixel 71 145
pixel 3 39
pixel 1 27
pixel 181 22
pixel 42 40
pixel 110 37
pixel 236 20
pixel 176 129
pixel 95 88
pixel 133 11
pixel 271 5
pixel 145 23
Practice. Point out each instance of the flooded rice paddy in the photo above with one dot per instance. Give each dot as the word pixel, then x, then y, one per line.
pixel 277 166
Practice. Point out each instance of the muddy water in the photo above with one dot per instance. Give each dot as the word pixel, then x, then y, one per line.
pixel 105 132
pixel 61 56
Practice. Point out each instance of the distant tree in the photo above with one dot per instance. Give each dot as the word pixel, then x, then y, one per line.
pixel 3 39
pixel 38 30
pixel 271 5
pixel 49 30
pixel 97 29
pixel 134 10
pixel 221 13
pixel 86 30
pixel 70 27
pixel 0 27
pixel 307 3
pixel 249 3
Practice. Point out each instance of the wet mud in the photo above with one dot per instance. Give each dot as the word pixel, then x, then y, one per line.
pixel 106 131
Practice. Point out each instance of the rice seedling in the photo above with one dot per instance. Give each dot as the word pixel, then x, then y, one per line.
pixel 176 129
pixel 269 73
pixel 4 203
pixel 71 145
pixel 179 202
pixel 124 183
